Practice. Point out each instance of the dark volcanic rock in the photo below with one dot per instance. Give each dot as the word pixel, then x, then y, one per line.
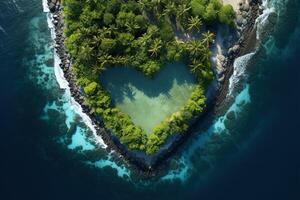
pixel 52 7
pixel 239 19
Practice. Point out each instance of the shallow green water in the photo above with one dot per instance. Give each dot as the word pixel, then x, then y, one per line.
pixel 149 101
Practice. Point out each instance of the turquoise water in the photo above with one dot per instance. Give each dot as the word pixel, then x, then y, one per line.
pixel 249 151
pixel 73 133
pixel 79 139
pixel 149 101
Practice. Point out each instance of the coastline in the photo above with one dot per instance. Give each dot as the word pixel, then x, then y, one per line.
pixel 245 44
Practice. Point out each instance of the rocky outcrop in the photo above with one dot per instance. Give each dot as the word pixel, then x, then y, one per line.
pixel 246 30
pixel 245 24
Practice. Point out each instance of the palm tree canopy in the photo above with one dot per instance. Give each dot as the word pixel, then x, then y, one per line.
pixel 208 38
pixel 194 23
pixel 155 47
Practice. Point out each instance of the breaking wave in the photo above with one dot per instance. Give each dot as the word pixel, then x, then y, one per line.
pixel 63 83
pixel 239 71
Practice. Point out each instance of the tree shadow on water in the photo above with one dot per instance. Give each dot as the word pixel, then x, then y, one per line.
pixel 121 82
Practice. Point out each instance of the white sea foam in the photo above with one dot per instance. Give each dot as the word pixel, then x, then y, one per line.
pixel 59 74
pixel 239 67
pixel 79 139
pixel 45 6
pixel 262 20
pixel 240 63
pixel 63 84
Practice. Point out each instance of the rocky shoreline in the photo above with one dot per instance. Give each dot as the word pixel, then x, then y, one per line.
pixel 246 17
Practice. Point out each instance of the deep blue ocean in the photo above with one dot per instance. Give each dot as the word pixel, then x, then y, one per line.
pixel 250 151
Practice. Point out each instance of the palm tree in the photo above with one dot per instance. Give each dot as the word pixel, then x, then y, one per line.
pixel 182 9
pixel 152 31
pixel 194 23
pixel 104 60
pixel 205 56
pixel 196 67
pixel 156 5
pixel 195 47
pixel 120 60
pixel 132 27
pixel 169 9
pixel 155 47
pixel 181 14
pixel 144 39
pixel 96 41
pixel 86 52
pixel 106 32
pixel 208 38
pixel 144 5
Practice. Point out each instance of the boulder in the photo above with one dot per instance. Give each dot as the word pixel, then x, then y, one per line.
pixel 221 79
pixel 221 58
pixel 52 7
pixel 239 20
pixel 245 22
pixel 220 61
pixel 235 48
pixel 246 7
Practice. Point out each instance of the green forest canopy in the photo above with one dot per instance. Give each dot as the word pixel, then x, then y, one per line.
pixel 141 34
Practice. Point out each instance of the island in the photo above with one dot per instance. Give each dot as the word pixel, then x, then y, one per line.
pixel 95 36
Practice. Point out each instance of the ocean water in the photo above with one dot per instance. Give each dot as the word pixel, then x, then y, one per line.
pixel 49 150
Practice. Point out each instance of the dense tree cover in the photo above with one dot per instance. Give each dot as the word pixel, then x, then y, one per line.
pixel 140 34
pixel 213 10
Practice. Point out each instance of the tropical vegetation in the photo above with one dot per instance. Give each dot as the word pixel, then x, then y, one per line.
pixel 143 34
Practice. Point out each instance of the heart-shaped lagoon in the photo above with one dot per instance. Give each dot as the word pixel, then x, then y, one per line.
pixel 142 113
pixel 149 101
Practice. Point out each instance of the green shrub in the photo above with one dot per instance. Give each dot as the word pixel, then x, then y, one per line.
pixel 227 15
pixel 90 88
pixel 108 18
